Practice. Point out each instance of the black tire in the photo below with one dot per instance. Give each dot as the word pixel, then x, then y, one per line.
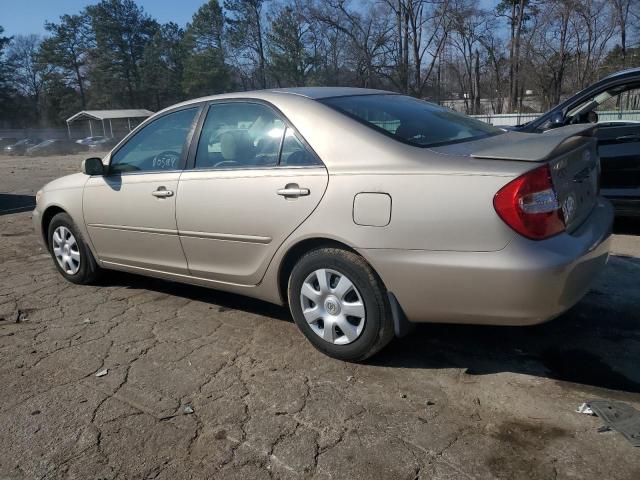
pixel 378 326
pixel 88 271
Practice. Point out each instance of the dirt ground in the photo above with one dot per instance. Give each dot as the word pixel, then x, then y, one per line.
pixel 202 384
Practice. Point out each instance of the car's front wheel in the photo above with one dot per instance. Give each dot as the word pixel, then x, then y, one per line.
pixel 70 253
pixel 340 304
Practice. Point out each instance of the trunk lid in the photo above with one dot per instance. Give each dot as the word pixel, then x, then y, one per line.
pixel 571 153
pixel 575 175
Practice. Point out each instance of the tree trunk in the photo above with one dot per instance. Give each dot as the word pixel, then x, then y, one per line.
pixel 477 105
pixel 261 61
pixel 81 87
pixel 512 55
pixel 514 72
pixel 623 42
pixel 405 57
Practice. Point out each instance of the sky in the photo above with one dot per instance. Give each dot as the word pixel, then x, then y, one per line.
pixel 28 16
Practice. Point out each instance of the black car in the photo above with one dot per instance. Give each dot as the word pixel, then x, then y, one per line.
pixel 4 141
pixel 612 103
pixel 54 147
pixel 21 146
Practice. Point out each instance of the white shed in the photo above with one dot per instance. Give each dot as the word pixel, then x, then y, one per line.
pixel 106 118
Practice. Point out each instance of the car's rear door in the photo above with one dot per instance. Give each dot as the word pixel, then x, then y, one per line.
pixel 252 181
pixel 130 212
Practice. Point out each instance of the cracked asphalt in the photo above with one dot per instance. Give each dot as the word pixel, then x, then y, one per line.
pixel 447 402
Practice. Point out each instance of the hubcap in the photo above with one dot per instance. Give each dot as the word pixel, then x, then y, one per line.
pixel 332 306
pixel 65 249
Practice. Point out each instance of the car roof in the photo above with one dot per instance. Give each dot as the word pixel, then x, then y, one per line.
pixel 621 73
pixel 314 93
pixel 317 93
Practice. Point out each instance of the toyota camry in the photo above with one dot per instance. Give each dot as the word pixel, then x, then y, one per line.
pixel 362 210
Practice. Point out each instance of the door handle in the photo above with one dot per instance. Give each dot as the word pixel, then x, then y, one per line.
pixel 292 190
pixel 162 192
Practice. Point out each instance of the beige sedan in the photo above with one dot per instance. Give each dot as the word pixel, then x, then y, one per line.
pixel 365 211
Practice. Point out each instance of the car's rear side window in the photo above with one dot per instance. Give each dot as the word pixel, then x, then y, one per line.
pixel 249 135
pixel 411 120
pixel 240 135
pixel 294 153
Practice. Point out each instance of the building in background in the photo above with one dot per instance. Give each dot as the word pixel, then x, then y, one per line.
pixel 107 123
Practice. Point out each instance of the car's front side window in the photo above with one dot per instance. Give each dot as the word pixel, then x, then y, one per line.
pixel 159 146
pixel 240 135
pixel 620 104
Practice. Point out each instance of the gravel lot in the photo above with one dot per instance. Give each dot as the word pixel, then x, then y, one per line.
pixel 447 402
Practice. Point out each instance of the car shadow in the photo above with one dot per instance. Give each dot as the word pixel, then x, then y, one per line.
pixel 11 203
pixel 566 349
pixel 223 300
pixel 593 346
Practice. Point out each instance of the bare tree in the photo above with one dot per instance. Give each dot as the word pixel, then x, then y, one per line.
pixel 468 23
pixel 28 74
pixel 246 34
pixel 594 28
pixel 549 51
pixel 516 12
pixel 621 9
pixel 497 65
pixel 367 32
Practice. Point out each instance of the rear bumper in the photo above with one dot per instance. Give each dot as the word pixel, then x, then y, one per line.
pixel 525 283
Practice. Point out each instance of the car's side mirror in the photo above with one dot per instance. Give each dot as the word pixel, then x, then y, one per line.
pixel 557 120
pixel 93 166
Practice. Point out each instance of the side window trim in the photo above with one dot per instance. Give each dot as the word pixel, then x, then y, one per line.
pixel 188 141
pixel 280 147
pixel 191 160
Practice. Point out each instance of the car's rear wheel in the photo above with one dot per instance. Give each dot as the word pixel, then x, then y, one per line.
pixel 340 304
pixel 70 253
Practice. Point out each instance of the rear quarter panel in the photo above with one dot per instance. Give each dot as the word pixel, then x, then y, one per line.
pixel 428 212
pixel 439 201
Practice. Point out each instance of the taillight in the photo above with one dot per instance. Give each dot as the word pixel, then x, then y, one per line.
pixel 530 206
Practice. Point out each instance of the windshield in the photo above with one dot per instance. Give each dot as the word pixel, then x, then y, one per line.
pixel 410 120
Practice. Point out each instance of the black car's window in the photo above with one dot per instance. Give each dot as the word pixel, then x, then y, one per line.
pixel 156 147
pixel 411 120
pixel 239 135
pixel 294 153
pixel 618 105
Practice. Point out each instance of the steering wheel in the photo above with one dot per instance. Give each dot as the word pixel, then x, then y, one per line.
pixel 167 160
pixel 225 162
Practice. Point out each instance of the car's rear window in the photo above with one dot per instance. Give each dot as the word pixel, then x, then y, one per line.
pixel 411 120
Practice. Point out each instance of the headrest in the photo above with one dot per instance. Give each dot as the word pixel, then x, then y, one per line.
pixel 409 130
pixel 235 145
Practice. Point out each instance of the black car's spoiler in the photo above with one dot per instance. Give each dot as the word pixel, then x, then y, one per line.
pixel 539 147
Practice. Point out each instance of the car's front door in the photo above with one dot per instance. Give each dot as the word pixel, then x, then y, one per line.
pixel 616 110
pixel 619 148
pixel 253 182
pixel 130 212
